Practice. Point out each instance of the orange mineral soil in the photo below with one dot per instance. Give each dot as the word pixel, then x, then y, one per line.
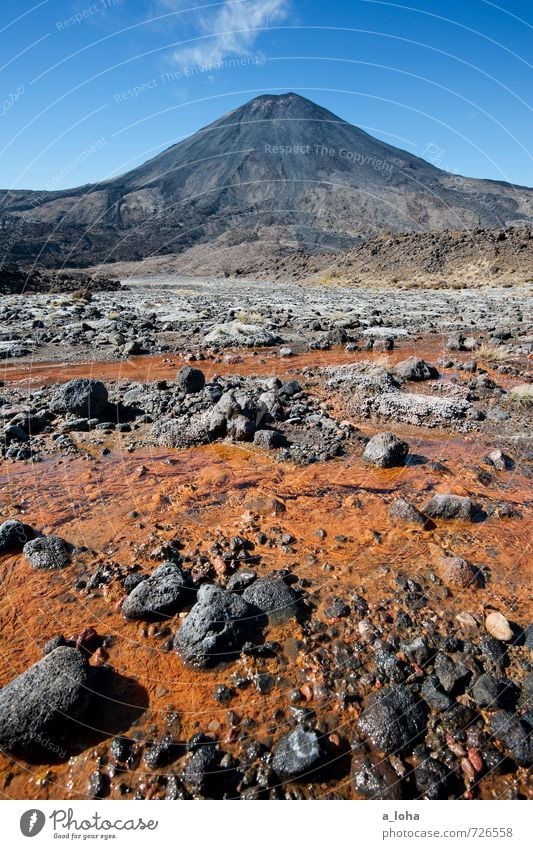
pixel 126 505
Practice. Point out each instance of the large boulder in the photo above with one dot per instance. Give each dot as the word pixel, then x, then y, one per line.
pixel 448 506
pixel 295 753
pixel 217 627
pixel 35 706
pixel 14 535
pixel 415 369
pixel 386 450
pixel 401 511
pixel 393 720
pixel 48 552
pixel 274 598
pixel 190 380
pixel 162 594
pixel 83 397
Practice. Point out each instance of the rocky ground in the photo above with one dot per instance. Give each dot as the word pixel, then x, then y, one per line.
pixel 265 550
pixel 478 257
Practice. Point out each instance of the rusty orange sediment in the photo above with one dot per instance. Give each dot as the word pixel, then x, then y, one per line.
pixel 126 505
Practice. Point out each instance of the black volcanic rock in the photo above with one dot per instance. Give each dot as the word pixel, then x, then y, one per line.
pixel 278 161
pixel 82 396
pixel 14 535
pixel 216 628
pixel 393 719
pixel 159 595
pixel 48 552
pixel 34 706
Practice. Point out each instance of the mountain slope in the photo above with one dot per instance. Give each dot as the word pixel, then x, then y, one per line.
pixel 280 163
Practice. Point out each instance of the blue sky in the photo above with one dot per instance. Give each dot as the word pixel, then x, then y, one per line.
pixel 92 88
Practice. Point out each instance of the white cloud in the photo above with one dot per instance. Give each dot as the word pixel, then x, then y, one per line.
pixel 227 31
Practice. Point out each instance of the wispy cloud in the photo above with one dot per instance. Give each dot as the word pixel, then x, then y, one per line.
pixel 228 30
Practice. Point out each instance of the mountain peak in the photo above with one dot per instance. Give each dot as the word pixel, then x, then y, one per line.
pixel 288 105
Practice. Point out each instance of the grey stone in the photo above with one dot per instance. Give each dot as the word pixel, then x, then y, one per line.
pixel 451 673
pixel 190 380
pixel 393 719
pixel 515 734
pixel 83 397
pixel 386 450
pixel 217 627
pixel 269 439
pixel 274 598
pixel 448 506
pixel 295 753
pixel 161 594
pixel 34 706
pixel 402 511
pixel 415 369
pixel 48 552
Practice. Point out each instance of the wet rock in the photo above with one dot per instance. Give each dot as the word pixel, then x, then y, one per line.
pixel 498 627
pixel 295 753
pixel 415 369
pixel 448 506
pixel 201 769
pixel 121 749
pixel 14 535
pixel 515 734
pixel 393 719
pixel 402 511
pixel 223 694
pixel 386 450
pixel 432 779
pixel 456 572
pixel 161 752
pixel 98 785
pixel 82 397
pixel 162 594
pixel 459 718
pixel 492 693
pixel 493 652
pixel 434 695
pixel 48 552
pixel 274 598
pixel 417 651
pixel 452 674
pixel 216 628
pixel 373 778
pixel 190 380
pixel 34 706
pixel 528 638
